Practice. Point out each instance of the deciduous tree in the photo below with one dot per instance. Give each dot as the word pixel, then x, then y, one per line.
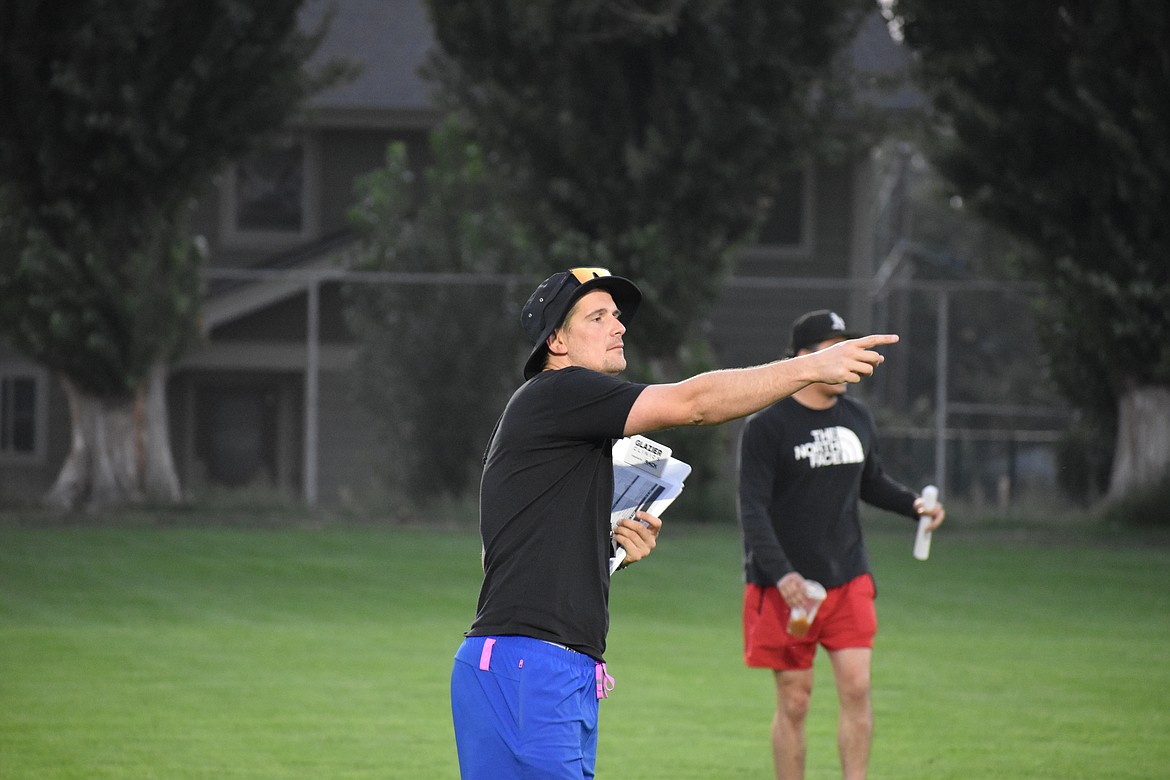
pixel 113 116
pixel 647 134
pixel 1053 122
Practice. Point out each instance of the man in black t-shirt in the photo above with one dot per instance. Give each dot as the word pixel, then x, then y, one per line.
pixel 805 463
pixel 527 679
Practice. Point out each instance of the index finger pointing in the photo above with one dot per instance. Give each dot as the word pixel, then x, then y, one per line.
pixel 876 340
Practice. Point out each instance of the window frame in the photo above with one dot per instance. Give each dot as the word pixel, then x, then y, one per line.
pixel 40 378
pixel 236 237
pixel 806 247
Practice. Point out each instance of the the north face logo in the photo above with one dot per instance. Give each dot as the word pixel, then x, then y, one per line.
pixel 831 447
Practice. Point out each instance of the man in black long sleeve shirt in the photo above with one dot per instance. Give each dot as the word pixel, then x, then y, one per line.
pixel 805 463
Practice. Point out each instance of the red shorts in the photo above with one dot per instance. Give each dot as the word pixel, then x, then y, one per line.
pixel 846 619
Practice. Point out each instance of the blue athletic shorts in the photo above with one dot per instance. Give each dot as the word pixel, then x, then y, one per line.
pixel 524 708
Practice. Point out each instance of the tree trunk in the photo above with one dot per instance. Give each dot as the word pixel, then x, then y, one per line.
pixel 120 454
pixel 1142 455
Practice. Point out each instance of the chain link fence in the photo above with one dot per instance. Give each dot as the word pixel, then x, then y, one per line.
pixel 963 401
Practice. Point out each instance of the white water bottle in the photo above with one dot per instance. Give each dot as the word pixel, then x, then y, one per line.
pixel 922 539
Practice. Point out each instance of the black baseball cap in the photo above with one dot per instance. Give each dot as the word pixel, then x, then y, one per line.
pixel 550 302
pixel 814 327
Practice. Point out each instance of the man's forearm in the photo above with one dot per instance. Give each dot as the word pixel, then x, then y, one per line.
pixel 720 396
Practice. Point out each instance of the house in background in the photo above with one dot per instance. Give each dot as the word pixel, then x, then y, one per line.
pixel 264 400
pixel 238 402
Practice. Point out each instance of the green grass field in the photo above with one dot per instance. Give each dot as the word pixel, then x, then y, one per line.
pixel 155 652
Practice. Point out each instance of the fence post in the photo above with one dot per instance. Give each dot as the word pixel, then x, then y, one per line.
pixel 312 364
pixel 940 391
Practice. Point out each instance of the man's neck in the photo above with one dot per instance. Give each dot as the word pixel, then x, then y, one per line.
pixel 814 397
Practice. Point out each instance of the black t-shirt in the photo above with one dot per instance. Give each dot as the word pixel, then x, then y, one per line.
pixel 801 474
pixel 545 498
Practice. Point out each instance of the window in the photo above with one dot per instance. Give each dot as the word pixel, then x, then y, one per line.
pixel 269 190
pixel 270 198
pixel 788 228
pixel 23 393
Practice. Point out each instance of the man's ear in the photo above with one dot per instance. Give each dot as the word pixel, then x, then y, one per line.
pixel 556 344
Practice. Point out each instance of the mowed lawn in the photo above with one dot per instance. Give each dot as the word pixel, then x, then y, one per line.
pixel 244 653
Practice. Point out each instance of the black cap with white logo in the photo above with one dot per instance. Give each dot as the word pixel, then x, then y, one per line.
pixel 816 326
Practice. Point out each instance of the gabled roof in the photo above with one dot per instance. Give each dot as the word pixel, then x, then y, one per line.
pixel 389 40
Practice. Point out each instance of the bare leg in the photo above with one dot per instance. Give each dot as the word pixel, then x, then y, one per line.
pixel 793 691
pixel 851 668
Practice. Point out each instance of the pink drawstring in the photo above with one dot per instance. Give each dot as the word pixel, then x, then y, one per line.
pixel 485 657
pixel 605 682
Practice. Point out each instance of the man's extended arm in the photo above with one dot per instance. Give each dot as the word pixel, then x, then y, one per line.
pixel 718 396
